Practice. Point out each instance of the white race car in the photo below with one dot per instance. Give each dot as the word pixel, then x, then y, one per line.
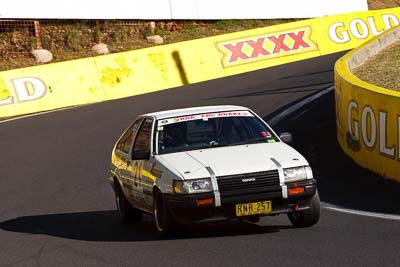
pixel 210 163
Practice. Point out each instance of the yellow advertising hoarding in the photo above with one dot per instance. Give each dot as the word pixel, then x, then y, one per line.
pixel 157 68
pixel 48 87
pixel 270 46
pixel 347 31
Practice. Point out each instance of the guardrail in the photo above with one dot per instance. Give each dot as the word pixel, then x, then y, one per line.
pixel 368 116
pixel 113 76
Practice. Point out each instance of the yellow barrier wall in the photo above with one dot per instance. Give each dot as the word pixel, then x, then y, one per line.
pixel 147 70
pixel 368 120
pixel 158 68
pixel 49 87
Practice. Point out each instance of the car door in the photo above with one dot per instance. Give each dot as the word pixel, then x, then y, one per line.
pixel 140 162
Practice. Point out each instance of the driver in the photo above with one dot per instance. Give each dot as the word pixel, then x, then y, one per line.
pixel 175 134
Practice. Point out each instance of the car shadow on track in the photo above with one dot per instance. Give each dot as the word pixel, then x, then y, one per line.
pixel 340 180
pixel 107 226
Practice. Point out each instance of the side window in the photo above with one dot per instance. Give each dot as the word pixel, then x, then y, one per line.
pixel 126 140
pixel 141 147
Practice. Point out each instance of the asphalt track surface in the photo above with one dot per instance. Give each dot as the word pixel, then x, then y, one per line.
pixel 57 208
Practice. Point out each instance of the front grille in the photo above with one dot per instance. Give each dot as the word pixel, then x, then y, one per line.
pixel 248 183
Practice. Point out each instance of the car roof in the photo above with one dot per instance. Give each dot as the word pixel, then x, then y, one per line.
pixel 193 110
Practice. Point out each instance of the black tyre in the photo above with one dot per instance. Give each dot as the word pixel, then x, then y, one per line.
pixel 162 218
pixel 125 209
pixel 308 217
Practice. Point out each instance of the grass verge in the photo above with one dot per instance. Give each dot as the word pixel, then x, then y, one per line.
pixel 383 69
pixel 69 40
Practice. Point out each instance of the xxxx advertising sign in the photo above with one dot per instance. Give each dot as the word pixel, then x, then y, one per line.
pixel 275 45
pixel 267 46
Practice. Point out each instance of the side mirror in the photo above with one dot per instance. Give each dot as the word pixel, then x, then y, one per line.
pixel 141 155
pixel 286 137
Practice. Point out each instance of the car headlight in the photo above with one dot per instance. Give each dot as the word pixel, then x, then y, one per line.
pixel 192 186
pixel 297 173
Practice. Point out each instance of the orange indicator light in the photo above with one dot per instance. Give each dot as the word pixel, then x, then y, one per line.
pixel 206 201
pixel 296 190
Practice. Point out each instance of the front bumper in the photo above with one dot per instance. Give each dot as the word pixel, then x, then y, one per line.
pixel 184 208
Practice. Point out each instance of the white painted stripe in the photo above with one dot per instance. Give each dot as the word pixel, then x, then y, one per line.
pixel 294 108
pixel 215 186
pixel 281 178
pixel 36 114
pixel 359 212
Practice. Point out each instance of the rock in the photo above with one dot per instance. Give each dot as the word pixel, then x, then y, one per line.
pixel 42 55
pixel 100 49
pixel 155 39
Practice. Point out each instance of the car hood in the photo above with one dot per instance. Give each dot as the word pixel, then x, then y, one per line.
pixel 232 160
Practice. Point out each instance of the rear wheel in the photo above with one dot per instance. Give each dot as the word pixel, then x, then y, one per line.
pixel 125 209
pixel 162 218
pixel 307 218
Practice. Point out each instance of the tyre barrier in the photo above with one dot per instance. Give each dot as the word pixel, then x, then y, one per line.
pixel 368 116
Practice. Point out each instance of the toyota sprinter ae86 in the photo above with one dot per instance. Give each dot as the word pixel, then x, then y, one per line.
pixel 207 164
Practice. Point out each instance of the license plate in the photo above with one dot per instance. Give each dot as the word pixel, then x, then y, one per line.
pixel 245 209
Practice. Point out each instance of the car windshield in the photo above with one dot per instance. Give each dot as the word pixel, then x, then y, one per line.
pixel 210 130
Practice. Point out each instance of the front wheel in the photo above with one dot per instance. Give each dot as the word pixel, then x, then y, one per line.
pixel 308 217
pixel 162 218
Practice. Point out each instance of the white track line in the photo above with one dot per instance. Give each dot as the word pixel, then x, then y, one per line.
pixel 37 114
pixel 273 121
pixel 359 212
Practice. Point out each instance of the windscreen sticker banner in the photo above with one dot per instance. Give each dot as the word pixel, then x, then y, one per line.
pixel 266 46
pixel 206 116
